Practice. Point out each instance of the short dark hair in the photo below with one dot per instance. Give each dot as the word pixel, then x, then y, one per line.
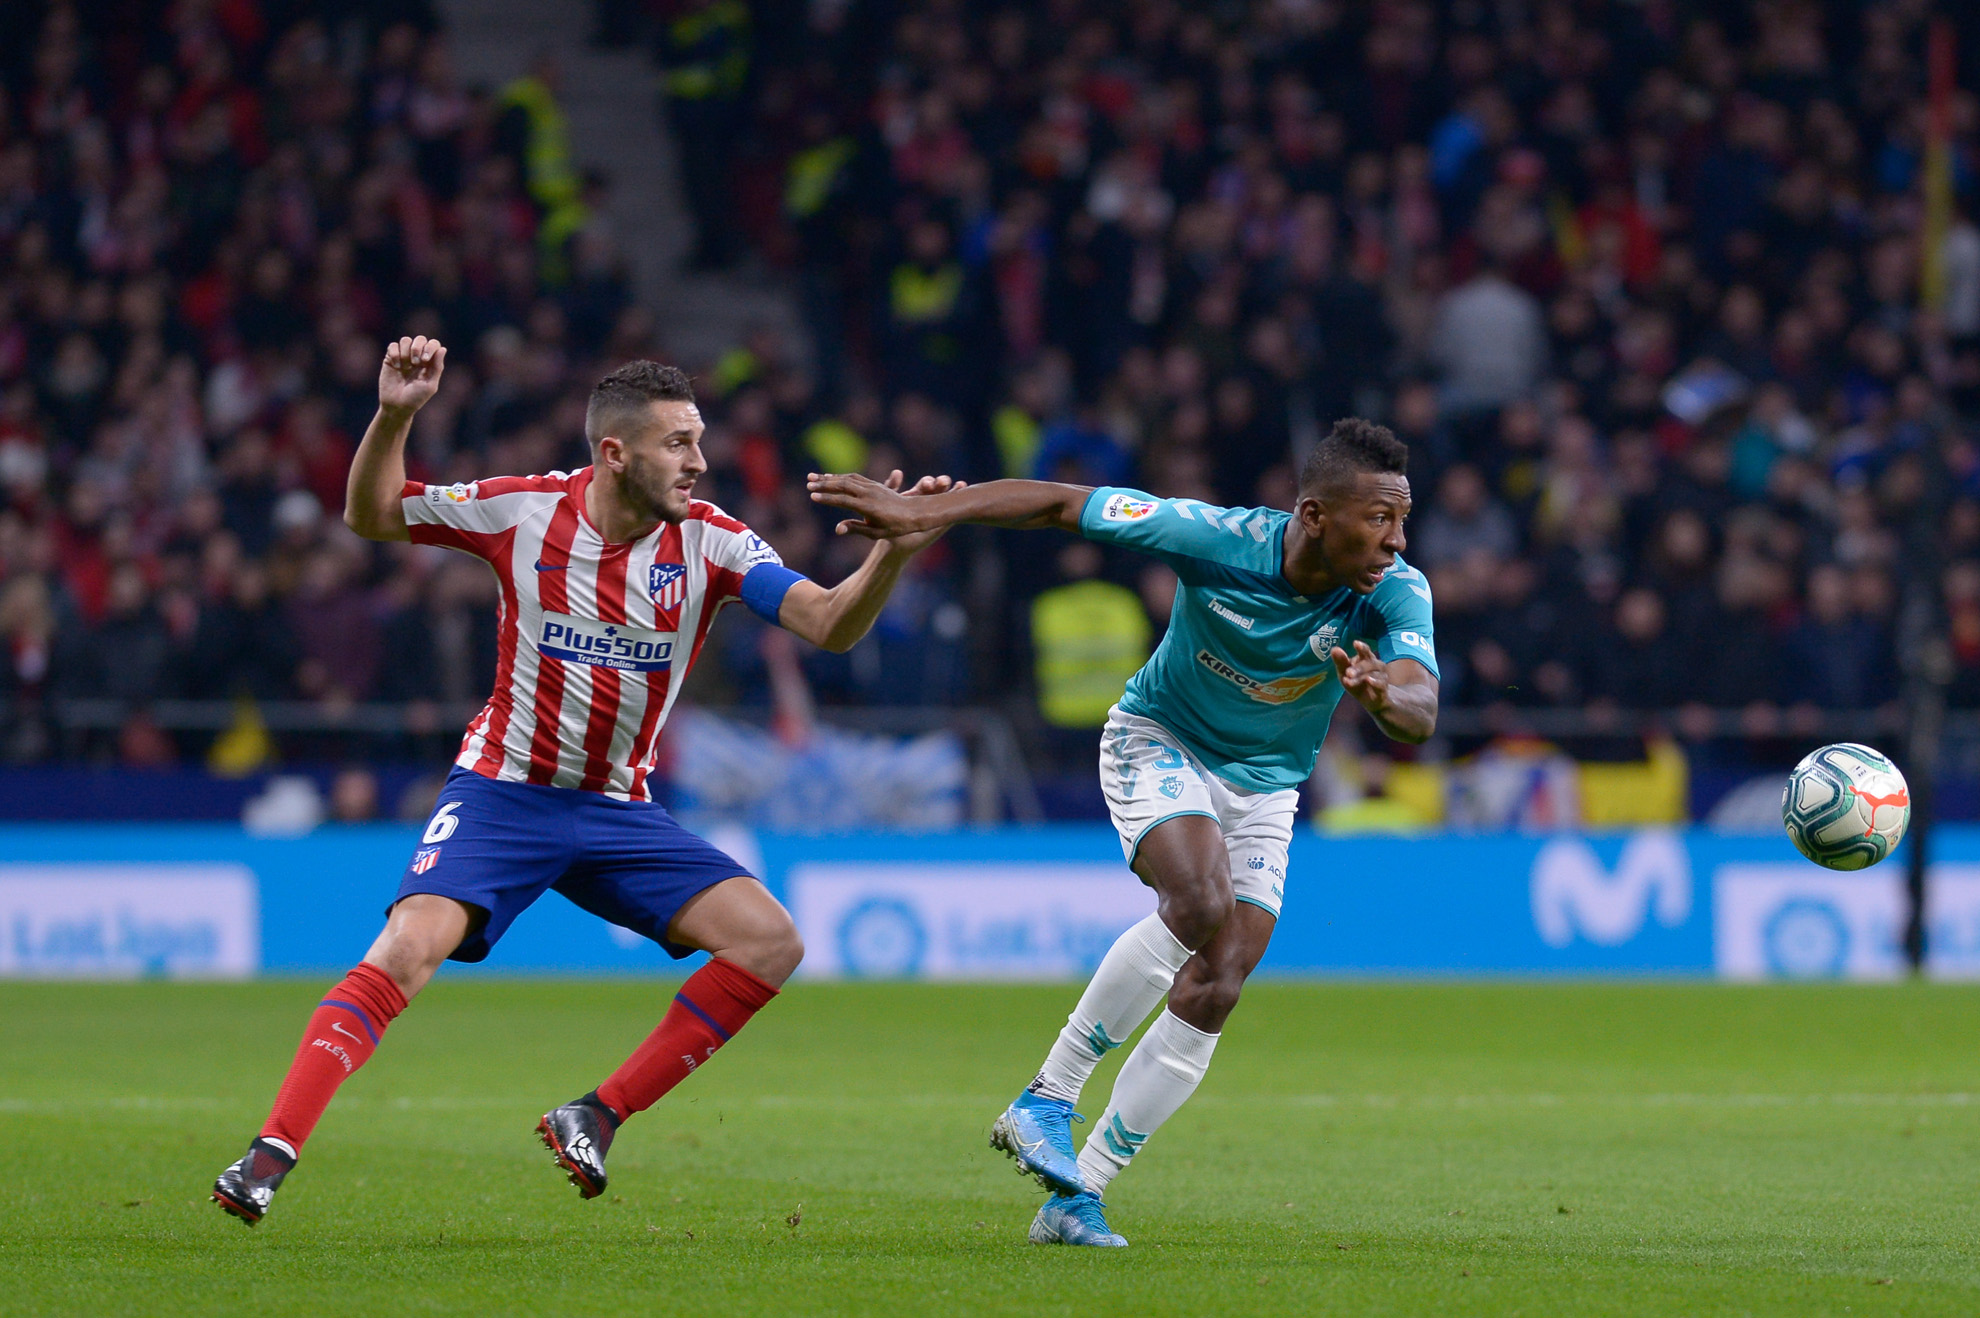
pixel 619 401
pixel 1355 445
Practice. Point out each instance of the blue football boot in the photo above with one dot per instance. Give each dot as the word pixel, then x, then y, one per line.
pixel 1037 1132
pixel 1078 1219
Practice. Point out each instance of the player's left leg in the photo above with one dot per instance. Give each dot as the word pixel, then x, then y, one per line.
pixel 753 947
pixel 648 874
pixel 1167 1065
pixel 1173 1054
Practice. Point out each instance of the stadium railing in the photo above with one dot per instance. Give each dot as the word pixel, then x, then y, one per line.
pixel 1001 786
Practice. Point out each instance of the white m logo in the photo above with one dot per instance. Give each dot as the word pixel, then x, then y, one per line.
pixel 1573 893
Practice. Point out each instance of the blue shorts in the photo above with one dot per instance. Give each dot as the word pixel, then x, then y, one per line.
pixel 498 846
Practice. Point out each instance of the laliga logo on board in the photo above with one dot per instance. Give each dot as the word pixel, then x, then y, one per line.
pixel 1572 892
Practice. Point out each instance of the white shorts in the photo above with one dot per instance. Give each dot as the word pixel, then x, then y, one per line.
pixel 1148 777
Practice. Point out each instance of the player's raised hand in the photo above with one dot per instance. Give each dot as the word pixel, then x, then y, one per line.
pixel 410 375
pixel 1362 675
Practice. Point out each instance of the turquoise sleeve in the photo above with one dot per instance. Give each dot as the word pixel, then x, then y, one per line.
pixel 1246 538
pixel 1403 600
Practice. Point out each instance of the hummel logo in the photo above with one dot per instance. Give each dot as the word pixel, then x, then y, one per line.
pixel 542 566
pixel 346 1033
pixel 1097 1040
pixel 1125 1143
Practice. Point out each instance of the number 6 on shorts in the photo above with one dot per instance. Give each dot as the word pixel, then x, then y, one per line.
pixel 443 823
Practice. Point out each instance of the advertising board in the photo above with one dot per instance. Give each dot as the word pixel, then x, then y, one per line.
pixel 1018 904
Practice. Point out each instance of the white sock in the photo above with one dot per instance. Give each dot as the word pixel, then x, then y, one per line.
pixel 1160 1074
pixel 1133 978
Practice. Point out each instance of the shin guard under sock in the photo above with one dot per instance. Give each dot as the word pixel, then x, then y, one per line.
pixel 343 1033
pixel 716 1001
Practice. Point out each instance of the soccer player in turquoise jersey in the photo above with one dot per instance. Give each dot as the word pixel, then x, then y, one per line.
pixel 1276 615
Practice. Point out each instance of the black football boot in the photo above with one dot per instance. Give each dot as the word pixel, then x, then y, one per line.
pixel 247 1188
pixel 577 1135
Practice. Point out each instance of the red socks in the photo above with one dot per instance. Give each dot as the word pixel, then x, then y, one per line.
pixel 342 1035
pixel 716 1001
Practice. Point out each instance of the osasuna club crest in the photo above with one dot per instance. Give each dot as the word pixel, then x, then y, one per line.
pixel 667 583
pixel 1324 640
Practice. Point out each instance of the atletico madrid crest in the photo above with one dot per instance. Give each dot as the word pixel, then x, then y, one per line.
pixel 424 859
pixel 667 583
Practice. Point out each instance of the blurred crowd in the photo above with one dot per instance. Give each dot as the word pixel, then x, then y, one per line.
pixel 212 215
pixel 1644 286
pixel 1687 356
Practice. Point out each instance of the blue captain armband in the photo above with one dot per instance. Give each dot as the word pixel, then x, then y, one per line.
pixel 764 587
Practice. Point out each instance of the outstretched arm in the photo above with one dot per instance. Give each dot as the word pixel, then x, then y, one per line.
pixel 886 515
pixel 836 618
pixel 409 377
pixel 1400 695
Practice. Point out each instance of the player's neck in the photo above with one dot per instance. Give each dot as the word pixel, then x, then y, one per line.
pixel 1303 563
pixel 612 515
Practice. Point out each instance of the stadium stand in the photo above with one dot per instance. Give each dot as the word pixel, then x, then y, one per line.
pixel 1678 306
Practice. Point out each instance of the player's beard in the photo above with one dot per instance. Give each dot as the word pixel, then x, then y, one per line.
pixel 655 490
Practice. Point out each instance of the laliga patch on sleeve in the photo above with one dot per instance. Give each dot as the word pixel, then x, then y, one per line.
pixel 757 550
pixel 1126 508
pixel 442 495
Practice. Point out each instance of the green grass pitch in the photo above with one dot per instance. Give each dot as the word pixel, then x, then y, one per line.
pixel 1357 1149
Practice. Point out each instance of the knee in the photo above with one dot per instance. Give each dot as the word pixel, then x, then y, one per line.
pixel 1196 910
pixel 1206 999
pixel 411 955
pixel 771 953
pixel 420 934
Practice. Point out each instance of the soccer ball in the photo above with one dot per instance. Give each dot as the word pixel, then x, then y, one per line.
pixel 1846 806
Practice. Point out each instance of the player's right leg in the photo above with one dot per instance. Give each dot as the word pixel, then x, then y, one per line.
pixel 1169 830
pixel 342 1034
pixel 490 850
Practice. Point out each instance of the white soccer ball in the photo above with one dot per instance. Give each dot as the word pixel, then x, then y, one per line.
pixel 1846 806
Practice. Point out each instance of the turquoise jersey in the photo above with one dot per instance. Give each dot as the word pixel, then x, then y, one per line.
pixel 1243 675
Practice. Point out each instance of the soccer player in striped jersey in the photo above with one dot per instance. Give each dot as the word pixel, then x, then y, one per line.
pixel 1277 616
pixel 610 578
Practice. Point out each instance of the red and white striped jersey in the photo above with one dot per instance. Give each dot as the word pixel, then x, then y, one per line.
pixel 594 638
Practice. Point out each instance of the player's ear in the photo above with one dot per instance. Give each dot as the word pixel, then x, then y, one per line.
pixel 1312 513
pixel 610 453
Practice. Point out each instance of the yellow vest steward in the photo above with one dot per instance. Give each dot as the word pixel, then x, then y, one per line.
pixel 1088 639
pixel 721 75
pixel 919 296
pixel 553 179
pixel 809 178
